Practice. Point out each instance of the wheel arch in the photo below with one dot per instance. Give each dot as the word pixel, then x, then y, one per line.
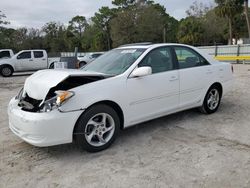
pixel 113 105
pixel 218 85
pixel 7 65
pixel 51 64
pixel 83 61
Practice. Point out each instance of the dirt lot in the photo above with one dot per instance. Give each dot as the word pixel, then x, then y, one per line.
pixel 187 149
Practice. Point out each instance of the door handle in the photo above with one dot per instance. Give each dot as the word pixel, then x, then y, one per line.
pixel 43 59
pixel 173 78
pixel 31 60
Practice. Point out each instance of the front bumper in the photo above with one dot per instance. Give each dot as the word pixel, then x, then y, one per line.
pixel 42 129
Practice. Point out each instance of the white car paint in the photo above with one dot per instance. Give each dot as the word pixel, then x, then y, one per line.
pixel 140 98
pixel 27 64
pixel 38 85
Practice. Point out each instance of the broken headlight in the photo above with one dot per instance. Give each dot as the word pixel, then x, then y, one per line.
pixel 58 100
pixel 19 95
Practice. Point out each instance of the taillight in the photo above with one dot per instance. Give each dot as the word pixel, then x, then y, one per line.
pixel 232 68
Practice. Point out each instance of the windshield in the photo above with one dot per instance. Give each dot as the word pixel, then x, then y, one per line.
pixel 115 61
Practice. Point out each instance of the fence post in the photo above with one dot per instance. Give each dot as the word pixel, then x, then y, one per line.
pixel 238 53
pixel 215 50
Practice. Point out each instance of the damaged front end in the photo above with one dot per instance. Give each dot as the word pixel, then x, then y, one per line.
pixel 56 95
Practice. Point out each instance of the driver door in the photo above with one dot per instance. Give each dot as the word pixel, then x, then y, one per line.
pixel 157 94
pixel 25 61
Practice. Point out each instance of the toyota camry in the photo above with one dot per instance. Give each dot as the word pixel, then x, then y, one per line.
pixel 126 86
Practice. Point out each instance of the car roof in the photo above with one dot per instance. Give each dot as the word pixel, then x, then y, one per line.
pixel 5 49
pixel 149 45
pixel 152 46
pixel 34 50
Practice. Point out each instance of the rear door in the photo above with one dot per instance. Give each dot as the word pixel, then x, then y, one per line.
pixel 195 75
pixel 40 59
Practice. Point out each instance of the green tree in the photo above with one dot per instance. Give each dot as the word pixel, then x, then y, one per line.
pixel 240 27
pixel 190 31
pixel 213 26
pixel 229 9
pixel 147 29
pixel 102 22
pixel 246 9
pixel 55 37
pixel 215 29
pixel 137 23
pixel 123 28
pixel 77 25
pixel 6 38
pixel 51 29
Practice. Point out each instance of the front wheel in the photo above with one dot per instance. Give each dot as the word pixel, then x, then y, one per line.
pixel 97 128
pixel 212 100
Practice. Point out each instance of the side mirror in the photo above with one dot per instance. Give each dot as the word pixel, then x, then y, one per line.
pixel 141 71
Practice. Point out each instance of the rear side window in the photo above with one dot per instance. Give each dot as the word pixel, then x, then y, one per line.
pixel 38 54
pixel 188 58
pixel 4 54
pixel 24 55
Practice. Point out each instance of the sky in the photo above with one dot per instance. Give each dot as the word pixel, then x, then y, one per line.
pixel 35 13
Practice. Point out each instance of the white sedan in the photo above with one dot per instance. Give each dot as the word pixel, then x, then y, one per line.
pixel 125 86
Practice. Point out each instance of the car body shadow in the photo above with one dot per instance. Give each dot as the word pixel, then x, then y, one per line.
pixel 141 130
pixel 126 134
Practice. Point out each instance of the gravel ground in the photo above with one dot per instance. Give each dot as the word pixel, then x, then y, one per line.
pixel 186 149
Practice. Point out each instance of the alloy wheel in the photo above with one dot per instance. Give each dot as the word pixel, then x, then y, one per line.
pixel 99 129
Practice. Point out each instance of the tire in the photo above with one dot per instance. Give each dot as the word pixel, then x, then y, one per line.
pixel 6 71
pixel 52 66
pixel 212 100
pixel 82 63
pixel 94 134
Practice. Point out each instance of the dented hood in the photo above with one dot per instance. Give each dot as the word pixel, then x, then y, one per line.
pixel 38 84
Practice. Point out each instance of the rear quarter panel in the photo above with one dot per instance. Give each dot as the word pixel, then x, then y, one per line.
pixel 223 74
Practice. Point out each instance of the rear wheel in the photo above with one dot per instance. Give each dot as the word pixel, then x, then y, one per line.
pixel 6 71
pixel 97 128
pixel 212 100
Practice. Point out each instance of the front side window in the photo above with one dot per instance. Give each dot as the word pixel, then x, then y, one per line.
pixel 38 54
pixel 114 62
pixel 159 60
pixel 188 58
pixel 24 55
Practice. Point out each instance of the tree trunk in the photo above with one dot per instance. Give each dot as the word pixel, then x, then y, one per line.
pixel 164 34
pixel 108 38
pixel 230 31
pixel 247 18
